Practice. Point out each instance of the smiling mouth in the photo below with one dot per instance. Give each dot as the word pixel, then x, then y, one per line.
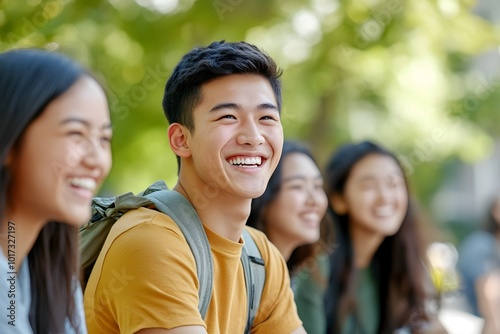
pixel 246 162
pixel 385 211
pixel 313 216
pixel 83 183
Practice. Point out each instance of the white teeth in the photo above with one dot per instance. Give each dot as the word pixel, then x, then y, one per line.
pixel 246 161
pixel 310 216
pixel 384 211
pixel 83 182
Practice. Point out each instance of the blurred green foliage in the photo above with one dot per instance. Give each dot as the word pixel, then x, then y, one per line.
pixel 396 71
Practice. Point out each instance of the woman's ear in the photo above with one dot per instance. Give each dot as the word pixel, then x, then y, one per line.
pixel 338 204
pixel 178 136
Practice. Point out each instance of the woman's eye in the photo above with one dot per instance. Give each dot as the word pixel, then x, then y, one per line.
pixel 368 185
pixel 395 181
pixel 76 133
pixel 297 186
pixel 318 186
pixel 106 139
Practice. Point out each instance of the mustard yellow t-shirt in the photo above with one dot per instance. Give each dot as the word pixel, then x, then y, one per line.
pixel 145 277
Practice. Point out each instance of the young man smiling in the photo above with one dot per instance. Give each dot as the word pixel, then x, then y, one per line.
pixel 223 103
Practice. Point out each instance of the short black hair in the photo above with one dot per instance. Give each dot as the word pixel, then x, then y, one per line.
pixel 204 64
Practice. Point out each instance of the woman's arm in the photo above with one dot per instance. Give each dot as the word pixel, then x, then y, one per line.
pixel 488 299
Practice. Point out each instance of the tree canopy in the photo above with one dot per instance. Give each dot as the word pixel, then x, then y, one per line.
pixel 402 72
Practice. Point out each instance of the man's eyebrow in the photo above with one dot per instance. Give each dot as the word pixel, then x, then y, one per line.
pixel 231 105
pixel 227 105
pixel 264 106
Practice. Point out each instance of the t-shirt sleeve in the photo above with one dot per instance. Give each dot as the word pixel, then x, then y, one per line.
pixel 277 312
pixel 149 279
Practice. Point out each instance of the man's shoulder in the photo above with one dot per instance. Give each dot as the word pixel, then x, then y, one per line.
pixel 144 231
pixel 140 225
pixel 137 218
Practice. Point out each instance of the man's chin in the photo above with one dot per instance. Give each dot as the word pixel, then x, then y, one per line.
pixel 253 193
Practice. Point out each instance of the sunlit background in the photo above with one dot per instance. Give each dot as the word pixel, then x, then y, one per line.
pixel 421 77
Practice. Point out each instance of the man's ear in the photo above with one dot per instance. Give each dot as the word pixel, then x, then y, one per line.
pixel 178 137
pixel 338 204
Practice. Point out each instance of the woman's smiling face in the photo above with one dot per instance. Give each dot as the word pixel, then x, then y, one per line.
pixel 375 196
pixel 62 156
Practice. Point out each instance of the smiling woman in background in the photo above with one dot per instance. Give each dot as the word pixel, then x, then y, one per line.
pixel 293 205
pixel 292 214
pixel 378 281
pixel 55 134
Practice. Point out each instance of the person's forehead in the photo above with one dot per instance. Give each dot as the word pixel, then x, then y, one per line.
pixel 376 166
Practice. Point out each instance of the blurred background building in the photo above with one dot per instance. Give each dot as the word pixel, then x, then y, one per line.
pixel 468 189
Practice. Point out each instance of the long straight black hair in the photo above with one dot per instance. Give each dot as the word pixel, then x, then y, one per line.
pixel 29 80
pixel 397 264
pixel 491 224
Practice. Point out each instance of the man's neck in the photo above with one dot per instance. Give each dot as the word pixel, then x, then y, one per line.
pixel 224 214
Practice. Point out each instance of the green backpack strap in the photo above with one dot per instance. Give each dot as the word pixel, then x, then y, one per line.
pixel 255 276
pixel 177 207
pixel 105 212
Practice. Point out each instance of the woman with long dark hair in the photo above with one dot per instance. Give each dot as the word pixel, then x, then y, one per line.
pixel 55 134
pixel 292 214
pixel 291 209
pixel 378 282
